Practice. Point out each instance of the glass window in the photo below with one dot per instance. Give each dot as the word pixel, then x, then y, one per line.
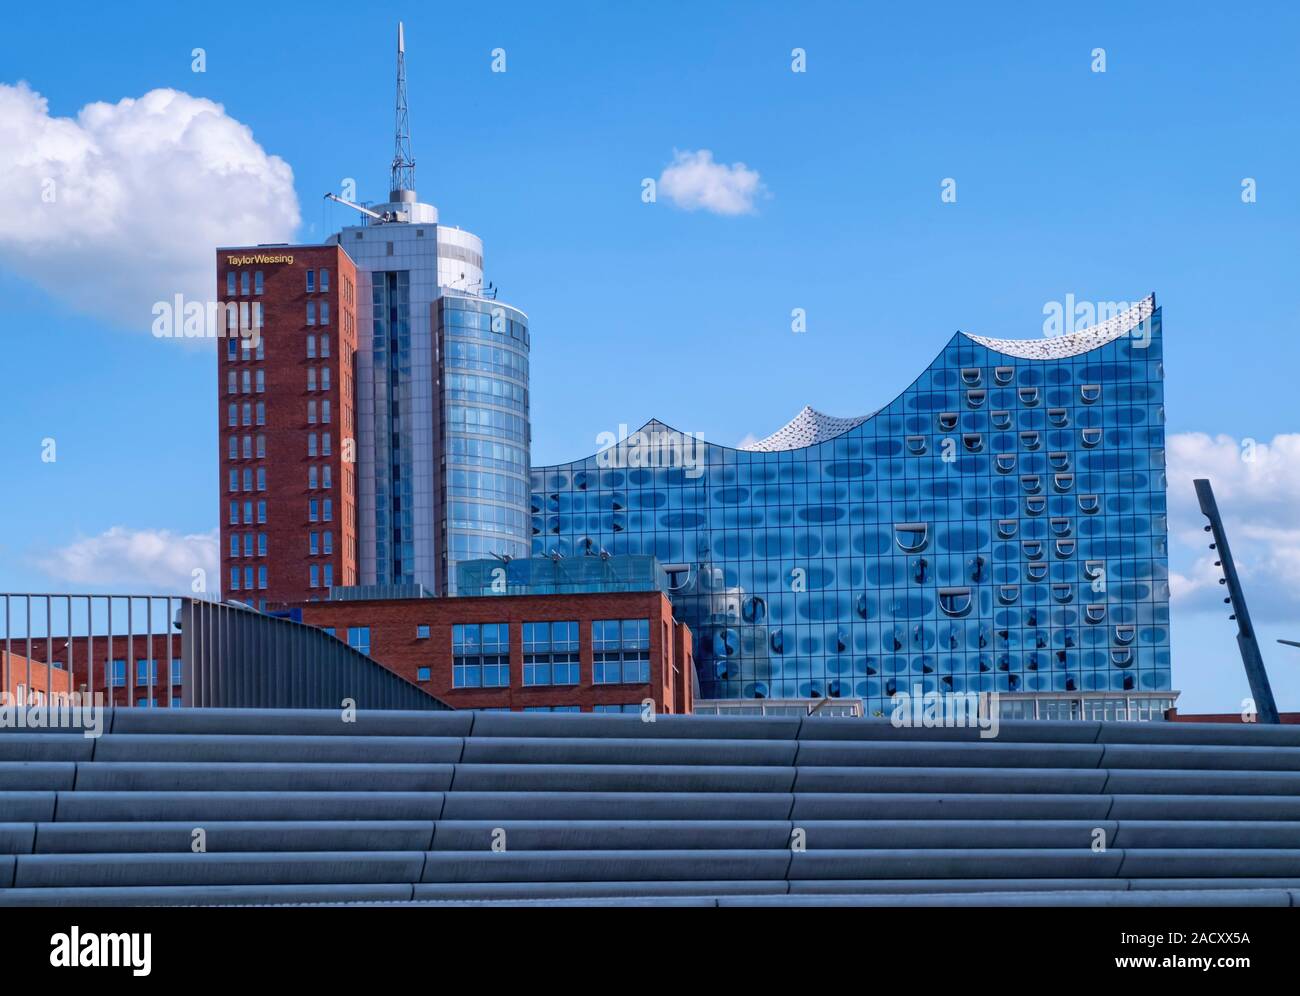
pixel 257 281
pixel 314 574
pixel 324 280
pixel 324 312
pixel 551 653
pixel 311 312
pixel 311 281
pixel 620 651
pixel 230 283
pixel 480 655
pixel 243 283
pixel 313 544
pixel 422 632
pixel 422 674
pixel 359 638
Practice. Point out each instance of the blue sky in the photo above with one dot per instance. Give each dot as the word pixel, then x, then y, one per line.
pixel 1101 185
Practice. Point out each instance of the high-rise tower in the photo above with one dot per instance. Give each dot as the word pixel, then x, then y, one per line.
pixel 442 397
pixel 439 431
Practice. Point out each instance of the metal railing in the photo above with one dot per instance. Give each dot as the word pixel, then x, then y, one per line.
pixel 56 645
pixel 63 647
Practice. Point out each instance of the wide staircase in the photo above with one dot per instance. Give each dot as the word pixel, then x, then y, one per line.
pixel 195 806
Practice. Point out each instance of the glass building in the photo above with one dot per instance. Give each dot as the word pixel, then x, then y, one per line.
pixel 483 357
pixel 999 526
pixel 442 427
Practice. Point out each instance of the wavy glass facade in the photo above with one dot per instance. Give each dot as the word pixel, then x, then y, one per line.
pixel 1000 526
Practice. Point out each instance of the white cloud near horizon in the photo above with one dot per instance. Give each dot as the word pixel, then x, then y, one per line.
pixel 124 204
pixel 1257 487
pixel 693 181
pixel 152 561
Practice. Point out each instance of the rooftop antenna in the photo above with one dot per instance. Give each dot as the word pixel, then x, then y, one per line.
pixel 402 183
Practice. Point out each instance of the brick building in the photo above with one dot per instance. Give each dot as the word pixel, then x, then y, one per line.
pixel 28 681
pixel 286 380
pixel 589 653
pixel 123 667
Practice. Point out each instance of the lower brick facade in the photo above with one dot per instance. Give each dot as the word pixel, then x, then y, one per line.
pixel 28 681
pixel 395 639
pixel 128 689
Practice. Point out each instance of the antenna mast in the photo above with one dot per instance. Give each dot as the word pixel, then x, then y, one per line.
pixel 403 175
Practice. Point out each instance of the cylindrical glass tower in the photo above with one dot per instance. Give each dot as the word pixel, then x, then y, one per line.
pixel 483 376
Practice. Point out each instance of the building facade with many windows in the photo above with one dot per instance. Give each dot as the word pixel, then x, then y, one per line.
pixel 286 414
pixel 375 428
pixel 608 652
pixel 998 527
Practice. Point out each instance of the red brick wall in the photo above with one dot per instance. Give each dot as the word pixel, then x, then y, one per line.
pixel 131 650
pixel 284 331
pixel 33 675
pixel 394 644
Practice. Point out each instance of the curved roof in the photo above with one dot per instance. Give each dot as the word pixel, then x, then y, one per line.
pixel 811 427
pixel 808 427
pixel 1058 347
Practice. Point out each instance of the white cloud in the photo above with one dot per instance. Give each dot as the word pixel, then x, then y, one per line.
pixel 693 181
pixel 124 204
pixel 152 561
pixel 1257 486
pixel 748 439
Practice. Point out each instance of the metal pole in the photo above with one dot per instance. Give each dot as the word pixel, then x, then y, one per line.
pixel 27 688
pixel 1251 657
